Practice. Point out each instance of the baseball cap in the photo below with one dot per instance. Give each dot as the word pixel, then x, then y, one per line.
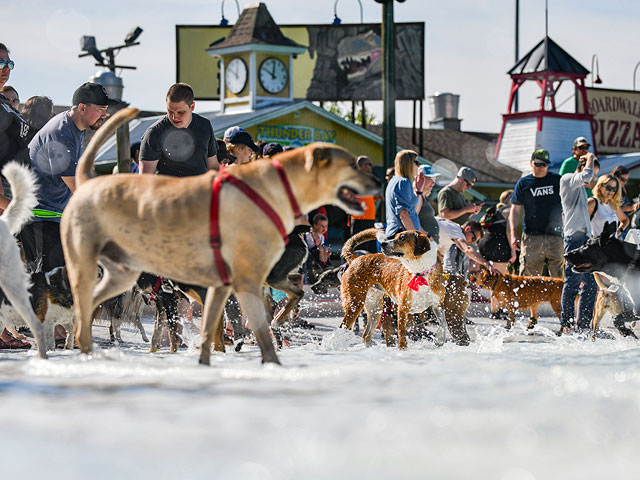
pixel 467 174
pixel 239 136
pixel 92 93
pixel 427 170
pixel 580 141
pixel 271 149
pixel 541 154
pixel 223 154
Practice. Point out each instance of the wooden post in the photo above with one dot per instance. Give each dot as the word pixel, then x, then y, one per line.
pixel 123 149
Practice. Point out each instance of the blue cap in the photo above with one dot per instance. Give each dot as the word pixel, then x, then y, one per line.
pixel 239 136
pixel 427 170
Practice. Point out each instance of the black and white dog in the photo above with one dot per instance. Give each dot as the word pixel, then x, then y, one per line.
pixel 14 280
pixel 617 260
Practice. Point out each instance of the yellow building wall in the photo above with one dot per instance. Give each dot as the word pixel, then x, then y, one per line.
pixel 200 70
pixel 304 126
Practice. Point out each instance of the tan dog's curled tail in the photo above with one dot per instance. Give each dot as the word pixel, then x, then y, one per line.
pixel 348 251
pixel 85 169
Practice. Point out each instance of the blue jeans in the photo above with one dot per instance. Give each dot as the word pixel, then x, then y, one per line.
pixel 572 281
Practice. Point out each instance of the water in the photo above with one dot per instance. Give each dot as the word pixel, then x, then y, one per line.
pixel 511 406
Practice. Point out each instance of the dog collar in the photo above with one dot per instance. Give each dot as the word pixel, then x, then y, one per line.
pixel 419 279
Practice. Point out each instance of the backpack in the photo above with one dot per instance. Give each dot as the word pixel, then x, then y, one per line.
pixel 489 217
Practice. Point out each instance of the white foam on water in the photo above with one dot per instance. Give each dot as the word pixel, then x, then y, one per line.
pixel 514 405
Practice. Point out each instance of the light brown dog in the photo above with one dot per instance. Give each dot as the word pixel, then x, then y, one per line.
pixel 160 224
pixel 606 301
pixel 369 277
pixel 516 292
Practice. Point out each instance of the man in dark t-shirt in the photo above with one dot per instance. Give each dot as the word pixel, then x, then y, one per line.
pixel 539 194
pixel 182 143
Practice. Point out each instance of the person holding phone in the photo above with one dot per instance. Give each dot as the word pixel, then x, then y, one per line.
pixel 539 195
pixel 451 202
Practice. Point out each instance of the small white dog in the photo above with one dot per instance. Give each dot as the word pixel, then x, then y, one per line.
pixel 14 281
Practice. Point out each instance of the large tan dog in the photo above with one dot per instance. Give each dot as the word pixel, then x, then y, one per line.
pixel 369 277
pixel 159 224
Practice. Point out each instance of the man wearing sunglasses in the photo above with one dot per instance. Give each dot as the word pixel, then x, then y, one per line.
pixel 580 148
pixel 54 153
pixel 451 202
pixel 539 195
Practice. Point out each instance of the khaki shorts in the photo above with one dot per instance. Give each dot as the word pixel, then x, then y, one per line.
pixel 538 249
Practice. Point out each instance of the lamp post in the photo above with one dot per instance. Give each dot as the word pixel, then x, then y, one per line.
pixel 635 70
pixel 336 19
pixel 113 85
pixel 223 21
pixel 388 83
pixel 597 80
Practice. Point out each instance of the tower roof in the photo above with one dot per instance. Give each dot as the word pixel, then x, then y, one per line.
pixel 548 56
pixel 254 26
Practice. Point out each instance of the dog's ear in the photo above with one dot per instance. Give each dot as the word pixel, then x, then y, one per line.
pixel 422 245
pixel 608 231
pixel 317 156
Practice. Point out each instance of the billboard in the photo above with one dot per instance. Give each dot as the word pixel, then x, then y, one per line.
pixel 342 62
pixel 616 119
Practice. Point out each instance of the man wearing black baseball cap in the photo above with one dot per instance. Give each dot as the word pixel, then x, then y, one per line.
pixel 54 153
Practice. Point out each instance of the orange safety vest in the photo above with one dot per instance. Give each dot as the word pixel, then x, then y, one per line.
pixel 369 210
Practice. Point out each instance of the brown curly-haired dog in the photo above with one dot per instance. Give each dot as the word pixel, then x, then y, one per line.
pixel 518 292
pixel 369 277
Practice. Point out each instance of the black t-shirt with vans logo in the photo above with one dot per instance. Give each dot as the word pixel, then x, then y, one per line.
pixel 540 198
pixel 181 152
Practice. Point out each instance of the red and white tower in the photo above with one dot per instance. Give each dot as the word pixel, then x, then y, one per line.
pixel 549 66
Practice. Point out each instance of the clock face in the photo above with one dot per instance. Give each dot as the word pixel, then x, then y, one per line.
pixel 273 75
pixel 235 75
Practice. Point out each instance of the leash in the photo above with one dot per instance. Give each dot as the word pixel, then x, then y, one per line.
pixel 154 292
pixel 214 227
pixel 419 279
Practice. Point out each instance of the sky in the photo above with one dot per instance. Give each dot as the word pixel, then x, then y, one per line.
pixel 469 45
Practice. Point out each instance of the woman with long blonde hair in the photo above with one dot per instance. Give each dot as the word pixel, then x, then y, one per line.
pixel 403 202
pixel 605 204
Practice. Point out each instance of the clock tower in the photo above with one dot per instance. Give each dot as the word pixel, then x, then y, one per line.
pixel 256 62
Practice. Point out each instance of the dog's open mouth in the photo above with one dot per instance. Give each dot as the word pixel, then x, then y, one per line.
pixel 582 267
pixel 349 197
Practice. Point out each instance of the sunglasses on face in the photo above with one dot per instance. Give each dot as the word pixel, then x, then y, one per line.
pixel 15 101
pixel 469 184
pixel 540 164
pixel 609 188
pixel 582 147
pixel 7 63
pixel 416 162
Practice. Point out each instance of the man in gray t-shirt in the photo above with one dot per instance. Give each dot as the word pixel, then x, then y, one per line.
pixel 577 230
pixel 54 153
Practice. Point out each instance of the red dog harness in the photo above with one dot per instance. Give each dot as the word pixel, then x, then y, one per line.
pixel 216 241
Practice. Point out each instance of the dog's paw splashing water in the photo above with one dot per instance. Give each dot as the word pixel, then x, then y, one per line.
pixel 339 340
